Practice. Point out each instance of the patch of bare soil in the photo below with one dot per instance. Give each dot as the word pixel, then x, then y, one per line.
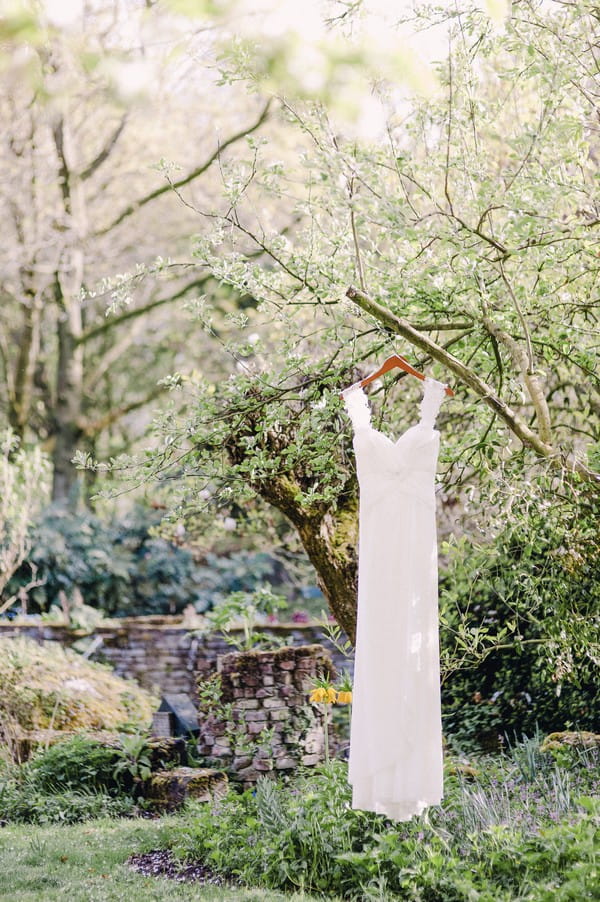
pixel 161 863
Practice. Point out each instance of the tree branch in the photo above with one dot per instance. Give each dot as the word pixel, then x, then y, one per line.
pixel 116 350
pixel 105 152
pixel 530 359
pixel 359 266
pixel 111 323
pixel 158 192
pixel 532 382
pixel 94 427
pixel 443 327
pixel 449 132
pixel 515 423
pixel 21 595
pixel 58 133
pixel 504 251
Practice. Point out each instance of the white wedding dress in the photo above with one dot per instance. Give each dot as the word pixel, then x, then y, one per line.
pixel 395 765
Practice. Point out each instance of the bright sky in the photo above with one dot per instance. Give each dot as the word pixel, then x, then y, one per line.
pixel 306 47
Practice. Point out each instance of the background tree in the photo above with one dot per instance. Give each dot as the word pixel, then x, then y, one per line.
pixel 81 200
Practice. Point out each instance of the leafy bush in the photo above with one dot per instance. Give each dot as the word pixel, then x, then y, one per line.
pixel 120 568
pixel 24 804
pixel 523 612
pixel 84 762
pixel 526 830
pixel 222 575
pixel 241 571
pixel 76 779
pixel 123 569
pixel 76 763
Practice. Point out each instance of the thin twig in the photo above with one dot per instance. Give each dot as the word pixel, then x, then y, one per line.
pixel 359 266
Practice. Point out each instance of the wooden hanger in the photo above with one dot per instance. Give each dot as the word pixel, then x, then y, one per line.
pixel 393 362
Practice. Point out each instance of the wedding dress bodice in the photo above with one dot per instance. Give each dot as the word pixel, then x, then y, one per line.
pixel 409 461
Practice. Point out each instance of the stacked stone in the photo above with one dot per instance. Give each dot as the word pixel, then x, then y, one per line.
pixel 271 726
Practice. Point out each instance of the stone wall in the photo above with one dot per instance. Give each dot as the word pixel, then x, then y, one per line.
pixel 255 717
pixel 160 653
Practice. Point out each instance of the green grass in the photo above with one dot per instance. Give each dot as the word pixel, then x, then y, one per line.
pixel 86 863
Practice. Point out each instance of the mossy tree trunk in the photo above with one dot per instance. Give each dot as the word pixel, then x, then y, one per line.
pixel 329 539
pixel 329 535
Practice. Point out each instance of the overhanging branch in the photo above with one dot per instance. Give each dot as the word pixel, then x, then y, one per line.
pixel 467 376
pixel 94 427
pixel 532 382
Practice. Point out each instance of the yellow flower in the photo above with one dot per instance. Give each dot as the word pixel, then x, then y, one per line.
pixel 325 694
pixel 344 697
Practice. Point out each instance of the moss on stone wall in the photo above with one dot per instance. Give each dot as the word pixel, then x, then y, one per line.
pixel 46 687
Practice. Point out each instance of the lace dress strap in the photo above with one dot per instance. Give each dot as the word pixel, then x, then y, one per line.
pixel 433 396
pixel 357 407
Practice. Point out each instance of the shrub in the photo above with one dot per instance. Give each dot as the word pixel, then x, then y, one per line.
pixel 119 568
pixel 532 596
pixel 76 763
pixel 523 828
pixel 123 569
pixel 76 779
pixel 241 571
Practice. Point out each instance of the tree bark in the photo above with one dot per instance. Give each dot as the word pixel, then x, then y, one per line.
pixel 330 540
pixel 332 550
pixel 19 411
pixel 68 409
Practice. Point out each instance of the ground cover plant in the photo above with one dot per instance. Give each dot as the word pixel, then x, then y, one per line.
pixel 74 780
pixel 89 864
pixel 522 826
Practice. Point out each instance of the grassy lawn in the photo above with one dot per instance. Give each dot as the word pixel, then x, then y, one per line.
pixel 86 863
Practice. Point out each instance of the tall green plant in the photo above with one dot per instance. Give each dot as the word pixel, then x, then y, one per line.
pixel 520 619
pixel 238 616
